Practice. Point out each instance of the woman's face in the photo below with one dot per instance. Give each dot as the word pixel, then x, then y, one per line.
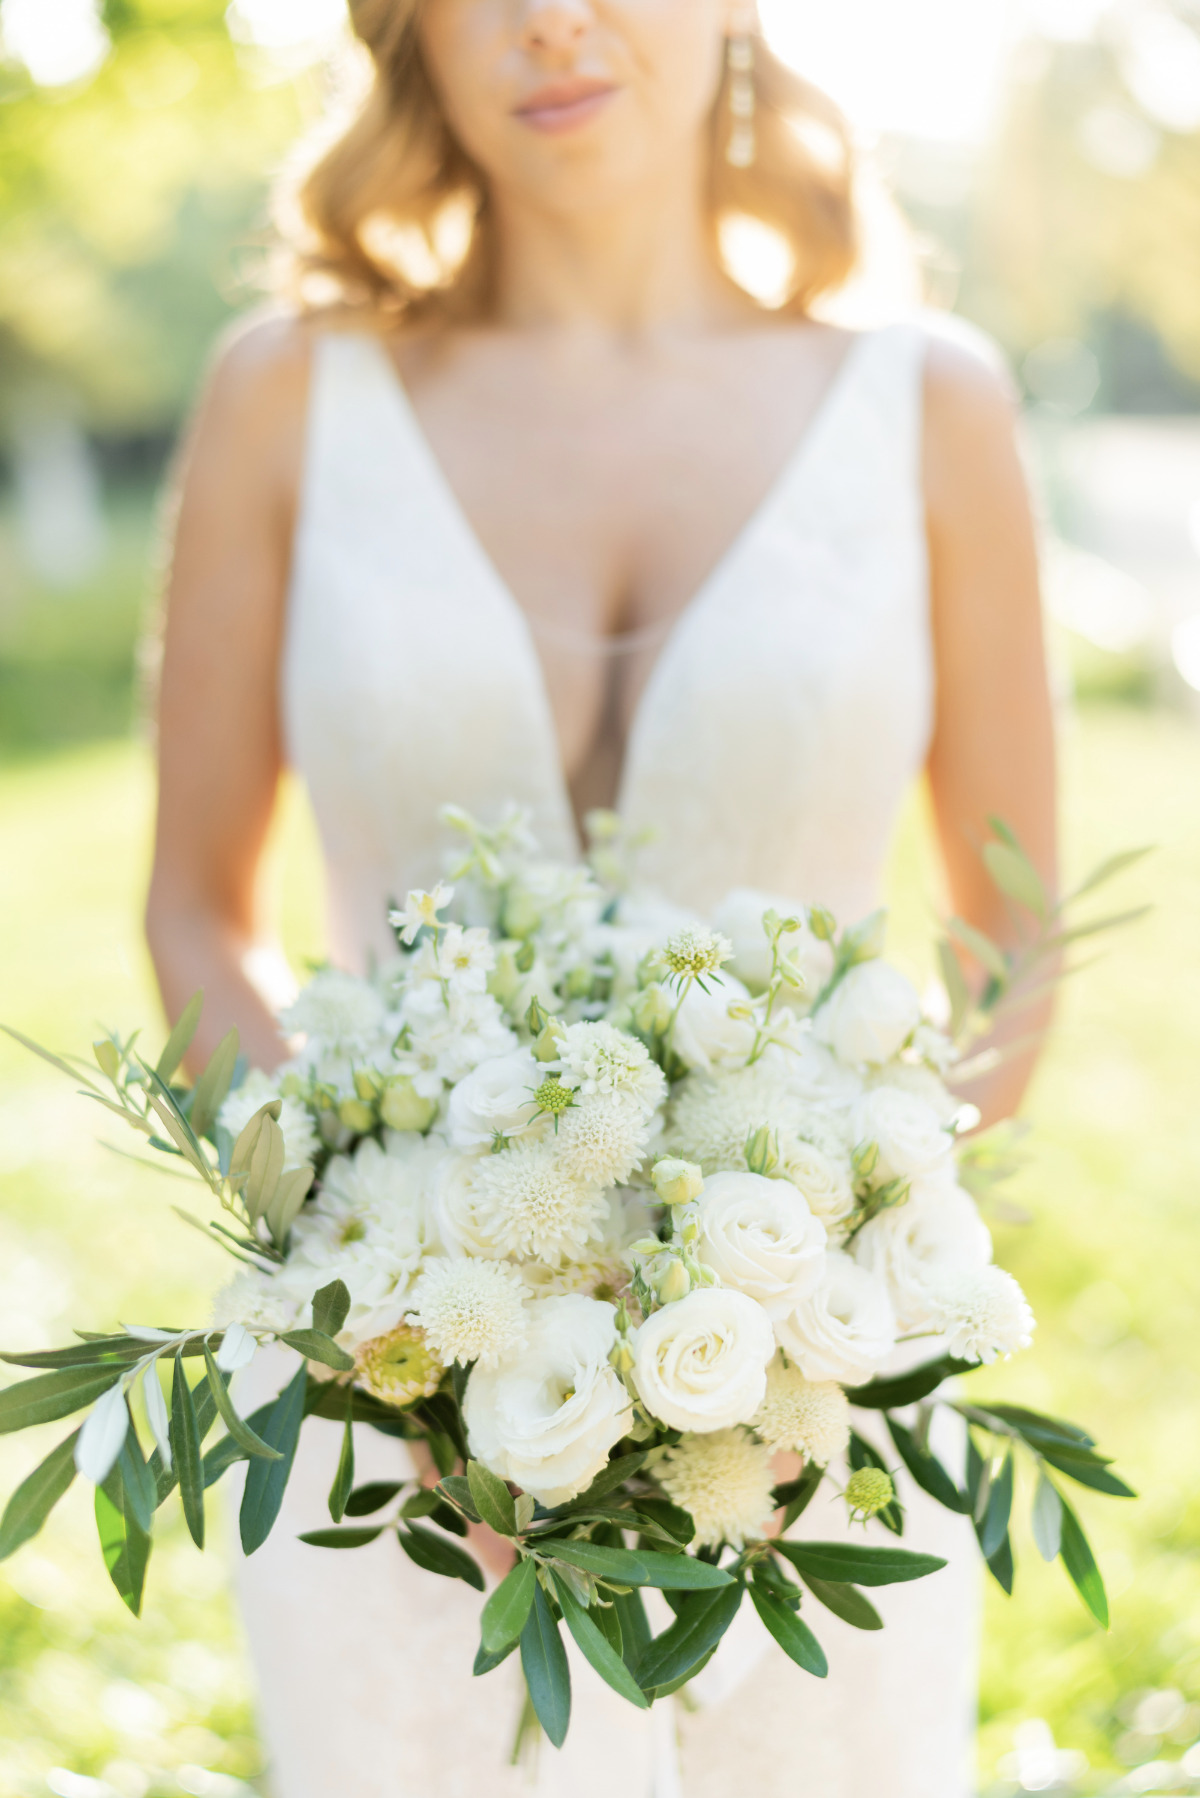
pixel 572 103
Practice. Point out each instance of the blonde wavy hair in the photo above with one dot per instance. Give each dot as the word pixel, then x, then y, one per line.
pixel 391 219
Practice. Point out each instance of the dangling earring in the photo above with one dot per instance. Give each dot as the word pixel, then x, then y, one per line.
pixel 743 140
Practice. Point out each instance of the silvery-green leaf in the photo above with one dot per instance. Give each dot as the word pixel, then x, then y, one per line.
pixel 243 1149
pixel 1047 1520
pixel 156 1414
pixel 291 1190
pixel 1016 876
pixel 237 1350
pixel 211 1089
pixel 102 1436
pixel 266 1166
pixel 180 1039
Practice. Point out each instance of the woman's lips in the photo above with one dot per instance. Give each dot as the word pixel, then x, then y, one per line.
pixel 564 105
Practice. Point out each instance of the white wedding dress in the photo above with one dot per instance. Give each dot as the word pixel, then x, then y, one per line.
pixel 787 714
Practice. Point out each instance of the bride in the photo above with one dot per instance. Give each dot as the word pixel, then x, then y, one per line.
pixel 526 499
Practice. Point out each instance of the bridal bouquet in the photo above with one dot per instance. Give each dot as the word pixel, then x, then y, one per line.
pixel 625 1216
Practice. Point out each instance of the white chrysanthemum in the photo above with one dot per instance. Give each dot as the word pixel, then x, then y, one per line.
pixel 983 1313
pixel 723 1480
pixel 809 1417
pixel 598 1058
pixel 259 1300
pixel 470 1310
pixel 295 1120
pixel 602 1139
pixel 338 1011
pixel 528 1204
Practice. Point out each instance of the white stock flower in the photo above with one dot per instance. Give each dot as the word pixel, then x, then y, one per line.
pixel 700 1364
pixel 470 1310
pixel 548 1415
pixel 759 1237
pixel 705 1035
pixel 843 1331
pixel 464 958
pixel 807 1417
pixel 907 1131
pixel 300 1142
pixel 527 1203
pixel 913 1246
pixel 598 1058
pixel 983 1314
pixel 724 1481
pixel 495 1096
pixel 448 1040
pixel 871 1015
pixel 338 1012
pixel 740 917
pixel 420 910
pixel 602 1139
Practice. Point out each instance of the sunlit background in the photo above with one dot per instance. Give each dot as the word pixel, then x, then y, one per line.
pixel 1046 154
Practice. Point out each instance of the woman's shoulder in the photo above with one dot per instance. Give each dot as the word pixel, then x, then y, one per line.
pixel 967 376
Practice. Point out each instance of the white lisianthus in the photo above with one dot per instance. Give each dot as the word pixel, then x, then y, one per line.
pixel 300 1142
pixel 823 1178
pixel 462 1225
pixel 807 1417
pixel 983 1314
pixel 602 1139
pixel 470 1310
pixel 912 1247
pixel 740 917
pixel 705 1035
pixel 548 1415
pixel 528 1204
pixel 916 1078
pixel 759 1237
pixel 497 1096
pixel 724 1481
pixel 700 1364
pixel 341 1013
pixel 843 1331
pixel 907 1131
pixel 871 1014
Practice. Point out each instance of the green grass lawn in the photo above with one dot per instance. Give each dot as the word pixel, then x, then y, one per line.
pixel 1112 1264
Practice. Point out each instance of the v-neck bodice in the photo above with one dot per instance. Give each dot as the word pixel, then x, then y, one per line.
pixel 785 714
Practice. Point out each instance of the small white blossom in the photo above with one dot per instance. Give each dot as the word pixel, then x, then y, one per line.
pixel 420 911
pixel 464 958
pixel 470 1310
pixel 724 1481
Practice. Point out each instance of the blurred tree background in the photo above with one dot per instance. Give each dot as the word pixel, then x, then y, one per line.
pixel 138 140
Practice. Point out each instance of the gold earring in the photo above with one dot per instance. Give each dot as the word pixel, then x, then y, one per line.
pixel 743 139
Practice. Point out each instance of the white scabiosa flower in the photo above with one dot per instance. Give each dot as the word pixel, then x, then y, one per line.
pixel 340 1012
pixel 843 1331
pixel 694 952
pixel 300 1141
pixel 548 1415
pixel 527 1203
pixel 983 1313
pixel 598 1058
pixel 907 1131
pixel 723 1480
pixel 495 1098
pixel 602 1139
pixel 807 1417
pixel 759 1237
pixel 700 1364
pixel 470 1310
pixel 871 1014
pixel 912 1247
pixel 259 1300
pixel 712 1115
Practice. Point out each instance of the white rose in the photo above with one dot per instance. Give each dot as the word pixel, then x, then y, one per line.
pixel 873 1012
pixel 497 1095
pixel 907 1130
pixel 913 1247
pixel 843 1331
pixel 760 1237
pixel 549 1415
pixel 701 1364
pixel 705 1034
pixel 740 917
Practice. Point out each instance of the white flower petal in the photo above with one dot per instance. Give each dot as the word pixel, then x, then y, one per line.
pixel 237 1349
pixel 103 1435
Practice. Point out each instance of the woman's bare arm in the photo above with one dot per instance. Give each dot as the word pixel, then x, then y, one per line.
pixel 219 750
pixel 993 745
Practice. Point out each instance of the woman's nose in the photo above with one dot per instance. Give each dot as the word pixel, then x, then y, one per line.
pixel 556 25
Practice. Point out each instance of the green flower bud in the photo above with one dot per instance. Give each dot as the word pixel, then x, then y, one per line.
pixel 356 1116
pixel 869 1491
pixel 553 1096
pixel 677 1182
pixel 674 1284
pixel 108 1057
pixel 864 1158
pixel 578 984
pixel 525 957
pixel 402 1108
pixel 546 1047
pixel 762 1151
pixel 652 1010
pixel 621 1358
pixel 367 1085
pixel 504 980
pixel 822 923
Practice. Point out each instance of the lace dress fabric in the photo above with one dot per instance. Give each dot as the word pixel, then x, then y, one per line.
pixel 788 710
